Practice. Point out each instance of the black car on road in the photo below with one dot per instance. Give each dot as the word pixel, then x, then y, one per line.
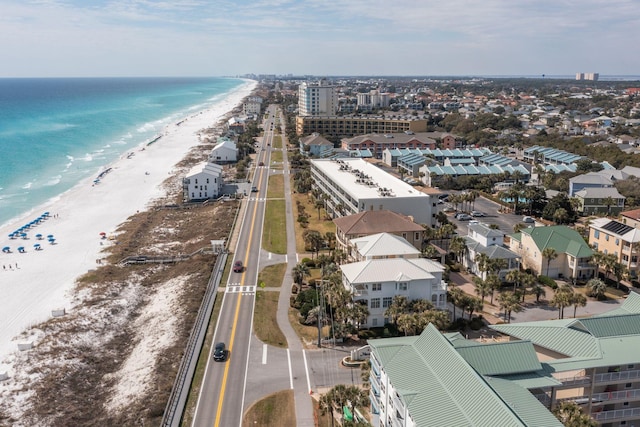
pixel 220 352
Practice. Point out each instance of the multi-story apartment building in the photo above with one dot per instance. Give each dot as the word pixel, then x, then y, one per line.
pixel 317 99
pixel 377 143
pixel 347 126
pixel 355 185
pixel 516 381
pixel 372 222
pixel 373 99
pixel 573 253
pixel 203 181
pixel 374 282
pixel 622 240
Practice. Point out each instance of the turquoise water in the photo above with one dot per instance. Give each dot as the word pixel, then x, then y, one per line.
pixel 56 132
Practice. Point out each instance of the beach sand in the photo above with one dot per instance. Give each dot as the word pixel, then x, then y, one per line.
pixel 34 283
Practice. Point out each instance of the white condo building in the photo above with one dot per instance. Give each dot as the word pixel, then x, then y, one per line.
pixel 224 152
pixel 355 185
pixel 204 181
pixel 317 99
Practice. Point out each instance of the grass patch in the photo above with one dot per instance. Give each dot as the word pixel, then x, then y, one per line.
pixel 275 189
pixel 277 158
pixel 277 142
pixel 275 410
pixel 321 225
pixel 265 323
pixel 308 334
pixel 273 275
pixel 198 375
pixel 274 237
pixel 614 293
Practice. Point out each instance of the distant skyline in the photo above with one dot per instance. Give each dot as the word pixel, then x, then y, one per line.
pixel 78 38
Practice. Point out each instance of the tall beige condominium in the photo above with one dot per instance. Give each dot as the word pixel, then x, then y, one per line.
pixel 317 99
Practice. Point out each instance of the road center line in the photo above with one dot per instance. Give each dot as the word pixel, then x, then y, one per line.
pixel 264 354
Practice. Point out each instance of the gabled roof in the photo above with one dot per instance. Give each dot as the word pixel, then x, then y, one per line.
pixel 212 169
pixel 391 270
pixel 615 228
pixel 440 388
pixel 372 222
pixel 382 244
pixel 315 139
pixel 599 193
pixel 591 178
pixel 492 251
pixel 560 237
pixel 631 305
pixel 485 230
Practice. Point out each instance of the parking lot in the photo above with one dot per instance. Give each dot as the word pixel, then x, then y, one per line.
pixel 489 209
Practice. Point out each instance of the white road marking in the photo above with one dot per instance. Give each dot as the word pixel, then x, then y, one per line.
pixel 290 373
pixel 306 370
pixel 264 354
pixel 269 255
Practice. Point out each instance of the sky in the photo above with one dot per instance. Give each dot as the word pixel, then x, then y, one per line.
pixel 87 38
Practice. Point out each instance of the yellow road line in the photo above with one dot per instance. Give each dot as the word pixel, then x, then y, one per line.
pixel 237 313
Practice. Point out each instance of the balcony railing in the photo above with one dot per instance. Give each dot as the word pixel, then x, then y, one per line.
pixel 618 414
pixel 617 376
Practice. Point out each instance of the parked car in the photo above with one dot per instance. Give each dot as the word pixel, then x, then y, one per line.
pixel 477 214
pixel 254 189
pixel 261 164
pixel 220 352
pixel 464 217
pixel 528 220
pixel 238 267
pixel 474 221
pixel 448 209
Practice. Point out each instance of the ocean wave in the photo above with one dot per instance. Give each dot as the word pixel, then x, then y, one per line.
pixel 53 181
pixel 28 185
pixel 87 157
pixel 146 127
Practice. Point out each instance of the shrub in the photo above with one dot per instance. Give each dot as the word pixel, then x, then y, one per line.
pixel 547 281
pixel 476 323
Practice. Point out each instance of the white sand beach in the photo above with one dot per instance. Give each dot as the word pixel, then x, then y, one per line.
pixel 34 283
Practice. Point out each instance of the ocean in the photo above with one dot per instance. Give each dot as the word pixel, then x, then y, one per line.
pixel 56 132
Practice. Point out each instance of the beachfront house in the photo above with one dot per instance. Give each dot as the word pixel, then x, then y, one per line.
pixel 224 152
pixel 204 181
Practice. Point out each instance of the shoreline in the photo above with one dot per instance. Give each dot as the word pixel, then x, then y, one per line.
pixel 41 281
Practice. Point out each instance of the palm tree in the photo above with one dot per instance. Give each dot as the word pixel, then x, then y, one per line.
pixel 608 201
pixel 578 300
pixel 561 216
pixel 458 246
pixel 509 302
pixel 619 271
pixel 549 254
pixel 455 297
pixel 482 287
pixel 563 298
pixel 538 290
pixel 474 305
pixel 299 272
pixel 482 262
pixel 399 305
pixel 514 276
pixel 494 283
pixel 596 288
pixel 570 414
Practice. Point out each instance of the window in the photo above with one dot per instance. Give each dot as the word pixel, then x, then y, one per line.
pixel 617 241
pixel 606 237
pixel 628 385
pixel 375 303
pixel 386 302
pixel 196 180
pixel 434 299
pixel 374 322
pixel 207 180
pixel 417 236
pixel 596 234
pixel 376 286
pixel 403 286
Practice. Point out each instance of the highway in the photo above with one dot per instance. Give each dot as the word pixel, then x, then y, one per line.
pixel 221 398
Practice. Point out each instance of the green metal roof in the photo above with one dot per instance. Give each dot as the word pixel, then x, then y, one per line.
pixel 438 386
pixel 562 238
pixel 611 326
pixel 631 305
pixel 503 358
pixel 554 335
pixel 529 408
pixel 531 380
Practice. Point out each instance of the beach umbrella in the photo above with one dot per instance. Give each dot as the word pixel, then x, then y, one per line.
pixel 38 236
pixel 20 248
pixel 6 249
pixel 12 235
pixel 49 236
pixel 46 213
pixel 52 240
pixel 23 235
pixel 102 233
pixel 37 245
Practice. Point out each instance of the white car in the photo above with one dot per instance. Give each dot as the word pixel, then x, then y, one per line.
pixel 528 220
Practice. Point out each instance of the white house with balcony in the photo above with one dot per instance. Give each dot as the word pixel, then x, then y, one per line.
pixel 204 181
pixel 375 282
pixel 483 239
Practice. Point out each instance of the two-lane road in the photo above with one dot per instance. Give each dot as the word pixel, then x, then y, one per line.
pixel 221 398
